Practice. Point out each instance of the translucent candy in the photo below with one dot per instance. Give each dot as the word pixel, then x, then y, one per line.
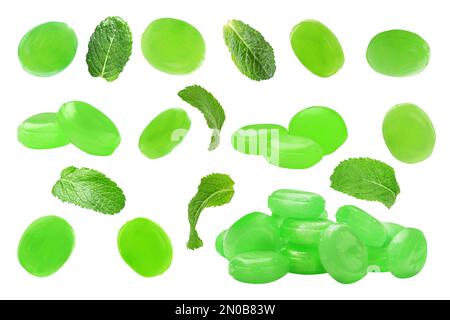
pixel 303 233
pixel 257 139
pixel 259 267
pixel 296 204
pixel 304 261
pixel 46 246
pixel 42 131
pixel 219 242
pixel 164 133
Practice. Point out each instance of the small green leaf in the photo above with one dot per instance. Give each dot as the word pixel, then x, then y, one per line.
pixel 215 190
pixel 251 53
pixel 109 48
pixel 89 189
pixel 214 114
pixel 366 179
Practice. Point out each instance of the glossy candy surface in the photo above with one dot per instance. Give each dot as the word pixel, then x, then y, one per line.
pixel 296 204
pixel 164 133
pixel 88 128
pixel 145 247
pixel 398 53
pixel 303 233
pixel 219 242
pixel 46 246
pixel 257 139
pixel 304 261
pixel 317 48
pixel 42 131
pixel 173 46
pixel 322 125
pixel 409 133
pixel 259 267
pixel 48 49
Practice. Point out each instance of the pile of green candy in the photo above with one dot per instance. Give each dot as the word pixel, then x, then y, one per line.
pixel 299 238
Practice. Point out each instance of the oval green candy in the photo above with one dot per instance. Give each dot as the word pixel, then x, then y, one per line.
pixel 164 133
pixel 296 204
pixel 317 48
pixel 253 232
pixel 259 267
pixel 343 254
pixel 408 253
pixel 219 242
pixel 42 131
pixel 305 261
pixel 145 247
pixel 46 246
pixel 409 133
pixel 292 152
pixel 371 231
pixel 48 49
pixel 322 125
pixel 173 46
pixel 257 139
pixel 88 128
pixel 303 233
pixel 398 53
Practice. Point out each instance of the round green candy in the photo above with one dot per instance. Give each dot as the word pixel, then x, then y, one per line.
pixel 254 232
pixel 88 128
pixel 48 49
pixel 257 139
pixel 378 260
pixel 292 152
pixel 46 246
pixel 296 204
pixel 407 253
pixel 322 125
pixel 164 133
pixel 219 242
pixel 343 254
pixel 303 233
pixel 173 46
pixel 317 48
pixel 305 261
pixel 398 53
pixel 259 267
pixel 42 131
pixel 145 247
pixel 392 230
pixel 371 231
pixel 409 133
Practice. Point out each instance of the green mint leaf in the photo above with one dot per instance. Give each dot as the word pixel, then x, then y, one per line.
pixel 215 190
pixel 251 53
pixel 89 189
pixel 204 101
pixel 109 49
pixel 366 179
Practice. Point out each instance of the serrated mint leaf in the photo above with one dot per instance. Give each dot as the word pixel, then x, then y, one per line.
pixel 109 48
pixel 215 190
pixel 366 179
pixel 214 114
pixel 251 53
pixel 89 189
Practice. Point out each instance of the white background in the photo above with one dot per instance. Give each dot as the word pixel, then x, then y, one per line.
pixel 160 190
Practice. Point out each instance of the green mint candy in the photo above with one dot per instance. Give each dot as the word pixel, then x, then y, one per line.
pixel 371 231
pixel 259 267
pixel 322 125
pixel 398 53
pixel 292 152
pixel 173 46
pixel 46 246
pixel 164 133
pixel 296 204
pixel 219 242
pixel 303 233
pixel 305 261
pixel 145 247
pixel 257 139
pixel 42 131
pixel 407 253
pixel 88 128
pixel 409 133
pixel 48 49
pixel 343 254
pixel 317 48
pixel 254 232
